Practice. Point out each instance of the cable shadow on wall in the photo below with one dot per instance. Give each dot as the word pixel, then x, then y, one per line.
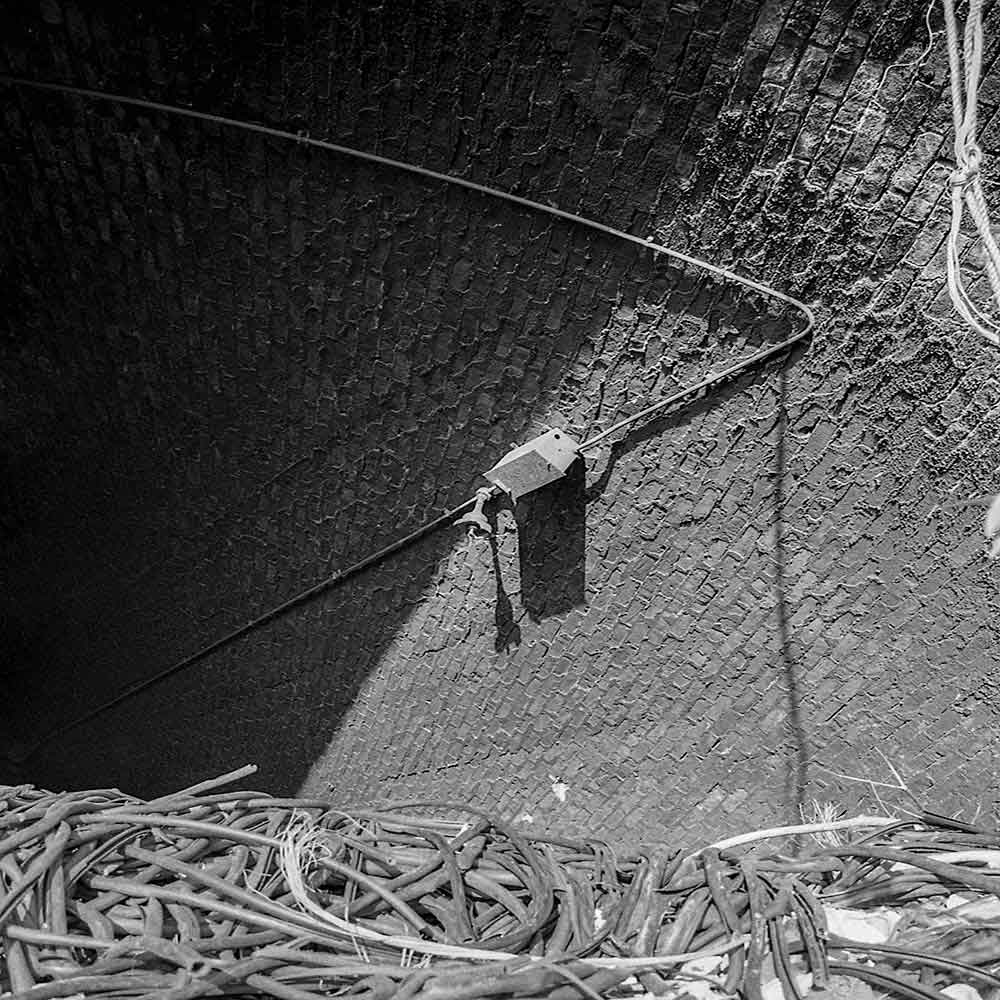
pixel 795 748
pixel 684 413
pixel 797 744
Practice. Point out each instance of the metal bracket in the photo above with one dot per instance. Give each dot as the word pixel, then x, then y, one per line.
pixel 536 463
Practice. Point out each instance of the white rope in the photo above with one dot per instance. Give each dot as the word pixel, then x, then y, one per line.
pixel 966 187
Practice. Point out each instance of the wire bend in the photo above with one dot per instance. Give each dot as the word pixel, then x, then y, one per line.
pixel 449 516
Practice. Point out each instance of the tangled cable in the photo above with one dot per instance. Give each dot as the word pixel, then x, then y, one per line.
pixel 965 67
pixel 213 893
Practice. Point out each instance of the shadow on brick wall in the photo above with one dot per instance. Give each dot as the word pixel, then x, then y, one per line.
pixel 797 742
pixel 197 548
pixel 551 531
pixel 239 365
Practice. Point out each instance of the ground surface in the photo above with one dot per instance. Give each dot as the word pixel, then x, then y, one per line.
pixel 232 365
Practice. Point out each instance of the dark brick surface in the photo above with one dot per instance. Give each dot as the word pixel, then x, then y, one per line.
pixel 232 365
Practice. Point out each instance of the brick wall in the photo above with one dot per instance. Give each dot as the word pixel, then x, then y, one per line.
pixel 233 365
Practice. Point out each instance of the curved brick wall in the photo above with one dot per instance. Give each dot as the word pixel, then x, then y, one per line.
pixel 233 365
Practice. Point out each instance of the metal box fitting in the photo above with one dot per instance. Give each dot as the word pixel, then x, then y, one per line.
pixel 538 462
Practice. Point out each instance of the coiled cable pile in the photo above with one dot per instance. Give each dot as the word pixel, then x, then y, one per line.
pixel 220 893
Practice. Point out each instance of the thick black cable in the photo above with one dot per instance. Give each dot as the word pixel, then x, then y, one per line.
pixel 411 168
pixel 342 576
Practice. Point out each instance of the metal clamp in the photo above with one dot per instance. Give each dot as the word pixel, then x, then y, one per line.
pixel 476 519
